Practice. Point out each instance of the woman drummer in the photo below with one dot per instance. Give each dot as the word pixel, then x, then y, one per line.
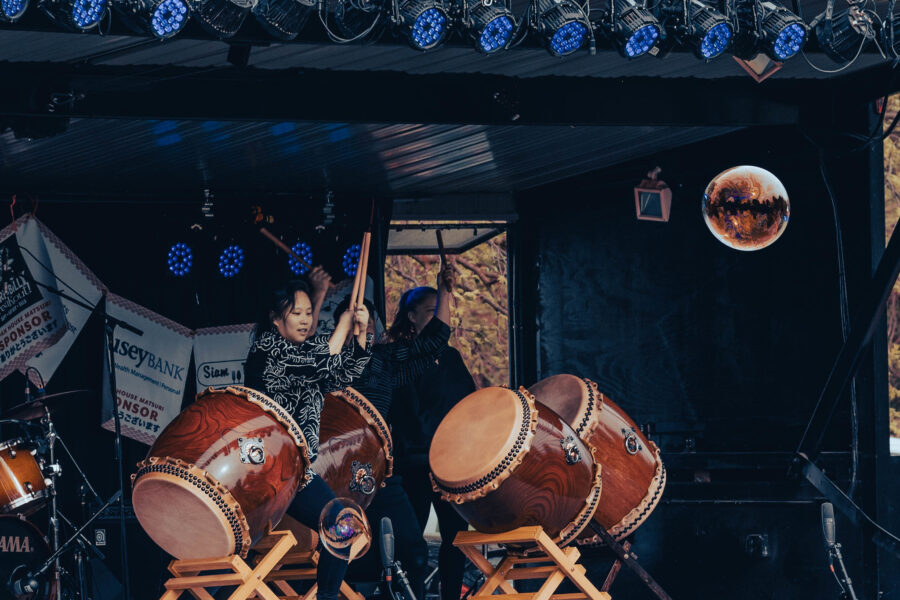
pixel 296 371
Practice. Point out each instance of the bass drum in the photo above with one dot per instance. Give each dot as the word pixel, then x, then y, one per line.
pixel 355 454
pixel 220 473
pixel 633 473
pixel 23 548
pixel 507 461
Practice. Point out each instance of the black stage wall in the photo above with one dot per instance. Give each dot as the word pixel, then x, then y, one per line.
pixel 723 352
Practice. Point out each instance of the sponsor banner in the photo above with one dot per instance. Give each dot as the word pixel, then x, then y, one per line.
pixel 75 279
pixel 150 370
pixel 220 354
pixel 31 318
pixel 335 296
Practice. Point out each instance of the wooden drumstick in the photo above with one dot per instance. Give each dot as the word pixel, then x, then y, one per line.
pixel 440 242
pixel 284 247
pixel 361 270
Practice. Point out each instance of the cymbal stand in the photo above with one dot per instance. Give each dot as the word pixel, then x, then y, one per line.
pixel 55 470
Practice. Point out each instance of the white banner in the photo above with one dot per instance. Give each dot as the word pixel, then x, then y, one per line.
pixel 335 296
pixel 31 319
pixel 74 279
pixel 150 370
pixel 220 354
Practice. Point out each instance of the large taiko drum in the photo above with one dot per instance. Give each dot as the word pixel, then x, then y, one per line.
pixel 355 454
pixel 506 461
pixel 355 447
pixel 219 474
pixel 633 473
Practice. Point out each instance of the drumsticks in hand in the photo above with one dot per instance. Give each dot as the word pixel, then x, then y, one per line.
pixel 359 283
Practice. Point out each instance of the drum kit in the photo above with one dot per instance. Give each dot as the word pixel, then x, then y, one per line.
pixel 30 566
pixel 561 455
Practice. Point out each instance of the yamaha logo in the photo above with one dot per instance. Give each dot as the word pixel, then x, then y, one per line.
pixel 15 543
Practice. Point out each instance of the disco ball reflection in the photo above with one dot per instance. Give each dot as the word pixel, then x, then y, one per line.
pixel 746 208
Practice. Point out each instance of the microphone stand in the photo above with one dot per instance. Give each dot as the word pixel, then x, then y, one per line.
pixel 834 551
pixel 109 326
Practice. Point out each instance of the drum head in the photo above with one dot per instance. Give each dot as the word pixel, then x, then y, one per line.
pixel 22 549
pixel 180 518
pixel 476 435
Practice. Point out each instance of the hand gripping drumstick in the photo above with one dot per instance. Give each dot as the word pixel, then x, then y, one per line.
pixel 284 247
pixel 359 289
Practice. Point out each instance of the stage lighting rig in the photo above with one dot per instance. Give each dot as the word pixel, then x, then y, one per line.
pixel 75 15
pixel 160 18
pixel 425 23
pixel 843 35
pixel 632 27
pixel 768 27
pixel 698 26
pixel 222 18
pixel 12 10
pixel 283 19
pixel 563 25
pixel 490 24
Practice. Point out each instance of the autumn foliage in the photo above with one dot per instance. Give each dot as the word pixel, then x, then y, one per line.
pixel 891 215
pixel 480 310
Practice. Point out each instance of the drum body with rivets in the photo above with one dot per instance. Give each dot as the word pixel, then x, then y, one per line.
pixel 506 461
pixel 633 474
pixel 220 473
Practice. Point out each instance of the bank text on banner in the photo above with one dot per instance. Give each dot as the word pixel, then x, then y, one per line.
pixel 150 370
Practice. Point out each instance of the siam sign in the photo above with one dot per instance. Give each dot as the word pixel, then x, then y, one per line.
pixel 746 208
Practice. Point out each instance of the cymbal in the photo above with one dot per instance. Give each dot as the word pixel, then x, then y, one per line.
pixel 35 408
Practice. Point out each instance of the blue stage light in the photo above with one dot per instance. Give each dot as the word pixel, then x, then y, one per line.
pixel 641 41
pixel 76 15
pixel 789 41
pixel 302 250
pixel 633 28
pixel 770 28
pixel 181 259
pixel 563 26
pixel 426 23
pixel 716 40
pixel 231 261
pixel 168 18
pixel 351 260
pixel 12 10
pixel 491 26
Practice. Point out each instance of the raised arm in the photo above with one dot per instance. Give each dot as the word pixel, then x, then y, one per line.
pixel 320 282
pixel 446 281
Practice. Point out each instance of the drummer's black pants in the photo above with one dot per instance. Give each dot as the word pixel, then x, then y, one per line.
pixel 306 508
pixel 451 562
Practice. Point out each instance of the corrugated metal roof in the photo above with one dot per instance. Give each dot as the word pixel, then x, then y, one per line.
pixel 104 156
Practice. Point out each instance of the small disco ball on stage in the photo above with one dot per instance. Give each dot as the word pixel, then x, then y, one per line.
pixel 746 208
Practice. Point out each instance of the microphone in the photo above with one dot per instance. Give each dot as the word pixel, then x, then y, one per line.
pixel 27 389
pixel 828 523
pixel 387 543
pixel 24 585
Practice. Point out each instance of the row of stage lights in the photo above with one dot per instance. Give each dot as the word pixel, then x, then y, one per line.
pixel 744 27
pixel 180 260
